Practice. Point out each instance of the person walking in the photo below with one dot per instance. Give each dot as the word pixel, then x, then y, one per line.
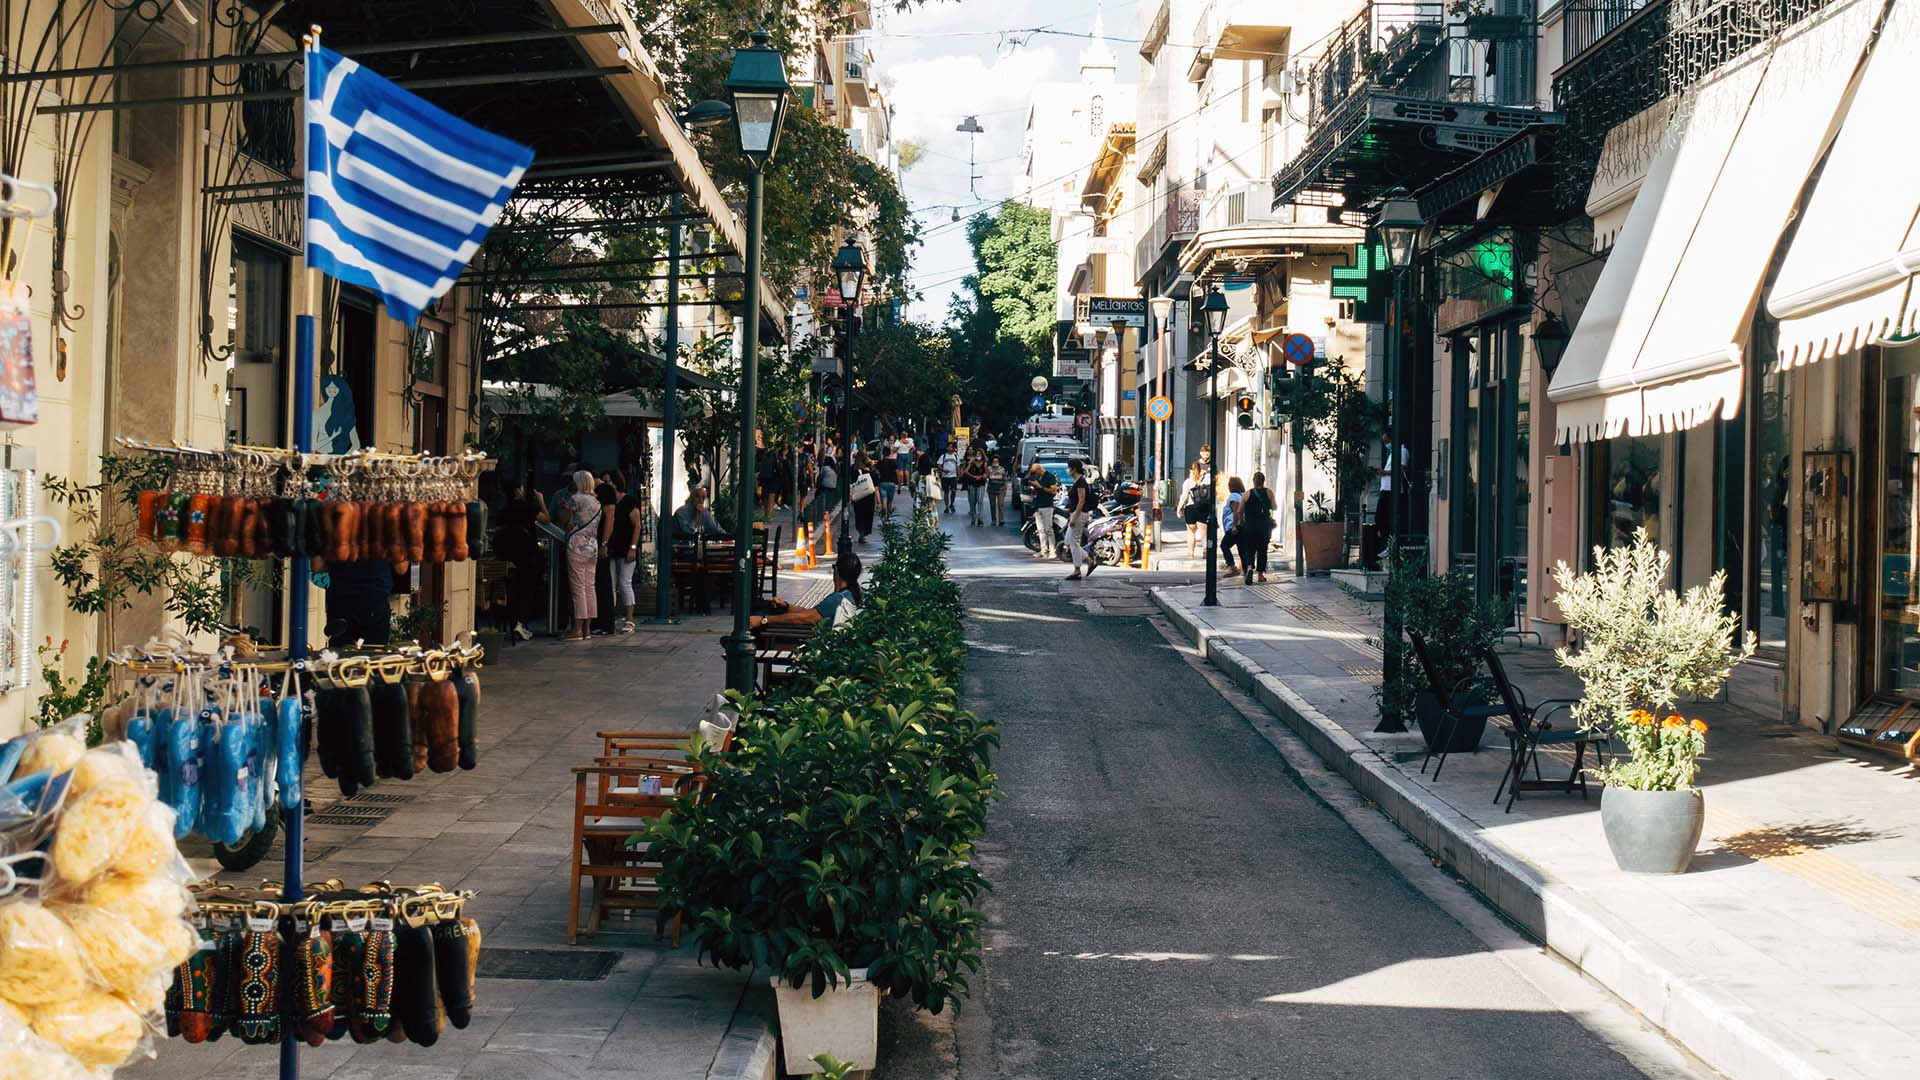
pixel 1256 529
pixel 1041 489
pixel 860 488
pixel 973 477
pixel 1079 511
pixel 827 481
pixel 1230 520
pixel 886 479
pixel 901 451
pixel 581 515
pixel 997 490
pixel 517 539
pixel 1196 505
pixel 949 478
pixel 623 549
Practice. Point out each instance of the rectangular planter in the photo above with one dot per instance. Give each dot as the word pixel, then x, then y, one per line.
pixel 844 1022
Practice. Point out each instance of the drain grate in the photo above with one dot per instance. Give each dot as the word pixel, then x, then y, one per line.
pixel 553 965
pixel 346 813
pixel 374 798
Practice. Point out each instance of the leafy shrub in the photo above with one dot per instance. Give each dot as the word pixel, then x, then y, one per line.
pixel 1443 610
pixel 838 830
pixel 1643 646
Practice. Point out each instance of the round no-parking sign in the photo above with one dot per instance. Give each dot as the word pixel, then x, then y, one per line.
pixel 1159 408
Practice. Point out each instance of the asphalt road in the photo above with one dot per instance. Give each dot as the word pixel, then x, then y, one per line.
pixel 1172 899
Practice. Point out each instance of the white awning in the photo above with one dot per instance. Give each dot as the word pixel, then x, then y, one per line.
pixel 1625 157
pixel 1659 345
pixel 1848 279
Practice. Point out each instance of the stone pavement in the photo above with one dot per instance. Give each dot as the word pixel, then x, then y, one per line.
pixel 504 830
pixel 1786 950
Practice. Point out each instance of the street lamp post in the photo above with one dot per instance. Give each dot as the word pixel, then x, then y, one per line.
pixel 757 85
pixel 850 266
pixel 1216 310
pixel 1162 307
pixel 1399 225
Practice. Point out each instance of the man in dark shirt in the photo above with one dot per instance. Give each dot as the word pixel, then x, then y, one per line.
pixel 1079 512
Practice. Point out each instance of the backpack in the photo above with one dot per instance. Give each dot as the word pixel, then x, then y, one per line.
pixel 1256 510
pixel 584 538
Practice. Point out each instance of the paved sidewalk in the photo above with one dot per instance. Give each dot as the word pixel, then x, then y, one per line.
pixel 1785 952
pixel 504 830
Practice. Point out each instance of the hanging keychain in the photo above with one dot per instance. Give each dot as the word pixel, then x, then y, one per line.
pixel 140 726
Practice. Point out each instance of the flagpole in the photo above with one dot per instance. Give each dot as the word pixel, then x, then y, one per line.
pixel 300 577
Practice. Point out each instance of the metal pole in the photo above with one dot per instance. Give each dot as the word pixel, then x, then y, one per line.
pixel 1212 598
pixel 299 573
pixel 1390 630
pixel 739 645
pixel 669 423
pixel 1299 485
pixel 849 328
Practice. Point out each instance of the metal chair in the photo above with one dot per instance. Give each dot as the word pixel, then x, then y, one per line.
pixel 1527 730
pixel 1455 712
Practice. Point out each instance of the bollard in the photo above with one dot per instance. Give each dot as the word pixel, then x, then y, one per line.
pixel 803 547
pixel 826 526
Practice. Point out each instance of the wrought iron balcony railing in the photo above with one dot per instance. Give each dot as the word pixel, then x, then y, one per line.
pixel 1583 24
pixel 1174 224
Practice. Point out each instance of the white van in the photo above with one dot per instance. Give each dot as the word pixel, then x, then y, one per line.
pixel 1050 448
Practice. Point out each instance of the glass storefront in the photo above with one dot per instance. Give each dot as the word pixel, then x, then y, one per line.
pixel 1773 464
pixel 1489 491
pixel 1899 554
pixel 1629 497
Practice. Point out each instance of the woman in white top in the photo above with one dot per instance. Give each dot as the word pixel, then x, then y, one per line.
pixel 949 478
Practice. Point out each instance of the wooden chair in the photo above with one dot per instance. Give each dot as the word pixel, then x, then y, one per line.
pixel 776 652
pixel 1527 730
pixel 606 813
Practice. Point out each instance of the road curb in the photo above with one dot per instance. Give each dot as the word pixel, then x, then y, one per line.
pixel 750 1050
pixel 1719 1031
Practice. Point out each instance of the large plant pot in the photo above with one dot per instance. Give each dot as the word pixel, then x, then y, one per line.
pixel 1652 832
pixel 1323 544
pixel 1433 721
pixel 844 1022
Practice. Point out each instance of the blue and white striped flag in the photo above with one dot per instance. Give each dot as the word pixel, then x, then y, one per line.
pixel 400 192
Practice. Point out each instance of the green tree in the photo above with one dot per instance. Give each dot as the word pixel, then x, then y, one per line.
pixel 1002 322
pixel 905 370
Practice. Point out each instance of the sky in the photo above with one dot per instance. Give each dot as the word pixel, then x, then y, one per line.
pixel 950 59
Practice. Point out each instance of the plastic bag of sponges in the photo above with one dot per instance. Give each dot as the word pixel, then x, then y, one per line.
pixel 94 916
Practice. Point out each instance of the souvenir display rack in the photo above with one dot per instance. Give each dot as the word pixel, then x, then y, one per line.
pixel 380 963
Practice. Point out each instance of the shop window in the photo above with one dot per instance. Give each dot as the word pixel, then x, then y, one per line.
pixel 1464 484
pixel 1773 517
pixel 1900 525
pixel 1629 496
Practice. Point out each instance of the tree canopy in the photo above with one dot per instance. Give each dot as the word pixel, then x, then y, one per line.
pixel 1002 322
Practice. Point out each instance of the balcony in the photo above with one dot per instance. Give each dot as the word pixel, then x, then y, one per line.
pixel 1250 30
pixel 859 14
pixel 1624 56
pixel 1407 92
pixel 1171 228
pixel 1247 203
pixel 858 95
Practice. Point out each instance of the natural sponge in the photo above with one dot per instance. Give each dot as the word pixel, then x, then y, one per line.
pixel 93 827
pixel 97 1028
pixel 40 962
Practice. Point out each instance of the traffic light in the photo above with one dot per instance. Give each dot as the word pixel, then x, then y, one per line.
pixel 1285 387
pixel 1244 404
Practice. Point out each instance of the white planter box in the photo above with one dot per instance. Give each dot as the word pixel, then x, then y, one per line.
pixel 844 1022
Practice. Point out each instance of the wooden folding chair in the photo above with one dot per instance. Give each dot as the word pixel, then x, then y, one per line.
pixel 606 814
pixel 776 652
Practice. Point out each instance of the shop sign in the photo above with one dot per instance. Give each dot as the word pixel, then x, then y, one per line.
pixel 1126 310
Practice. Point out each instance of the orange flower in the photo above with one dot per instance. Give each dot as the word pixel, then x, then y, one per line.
pixel 1673 721
pixel 1640 717
pixel 1700 726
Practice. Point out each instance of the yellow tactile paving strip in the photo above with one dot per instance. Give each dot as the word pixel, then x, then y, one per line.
pixel 1869 892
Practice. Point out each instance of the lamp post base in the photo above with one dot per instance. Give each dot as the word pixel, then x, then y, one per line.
pixel 739 652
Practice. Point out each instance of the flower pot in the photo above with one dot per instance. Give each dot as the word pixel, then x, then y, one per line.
pixel 844 1022
pixel 1433 719
pixel 1652 832
pixel 1323 544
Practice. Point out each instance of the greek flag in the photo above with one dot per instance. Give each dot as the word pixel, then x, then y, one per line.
pixel 400 193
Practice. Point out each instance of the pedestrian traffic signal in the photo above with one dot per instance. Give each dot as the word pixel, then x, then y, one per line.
pixel 1245 405
pixel 1285 386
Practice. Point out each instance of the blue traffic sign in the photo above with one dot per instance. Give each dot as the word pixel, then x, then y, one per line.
pixel 1036 403
pixel 1299 349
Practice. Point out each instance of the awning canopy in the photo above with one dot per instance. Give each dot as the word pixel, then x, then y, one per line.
pixel 1848 278
pixel 1114 425
pixel 1659 346
pixel 1625 157
pixel 628 367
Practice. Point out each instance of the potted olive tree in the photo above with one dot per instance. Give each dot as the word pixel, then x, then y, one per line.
pixel 1641 648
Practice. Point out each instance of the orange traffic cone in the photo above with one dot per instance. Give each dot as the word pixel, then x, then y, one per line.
pixel 803 548
pixel 826 544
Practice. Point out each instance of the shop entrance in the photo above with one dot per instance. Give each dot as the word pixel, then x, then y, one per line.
pixel 1898 615
pixel 1492 435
